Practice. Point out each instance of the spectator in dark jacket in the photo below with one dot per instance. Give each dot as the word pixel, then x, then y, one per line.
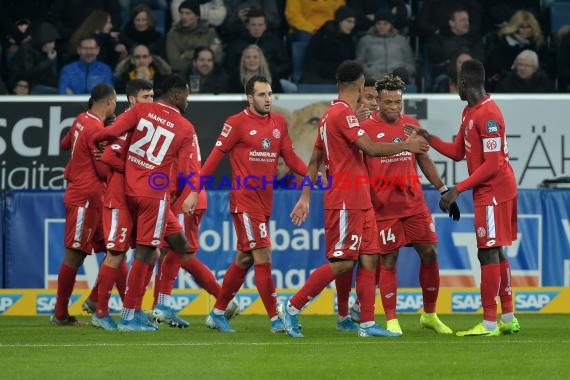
pixel 256 33
pixel 564 59
pixel 141 29
pixel 329 46
pixel 213 80
pixel 526 76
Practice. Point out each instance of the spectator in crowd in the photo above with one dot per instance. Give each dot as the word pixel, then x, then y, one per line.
pixel 21 87
pixel 433 16
pixel 522 32
pixel 17 34
pixel 99 25
pixel 188 34
pixel 454 67
pixel 383 50
pixel 365 10
pixel 68 15
pixel 141 29
pixel 213 80
pixel 253 63
pixel 238 10
pixel 127 5
pixel 445 44
pixel 37 60
pixel 526 76
pixel 332 44
pixel 79 77
pixel 305 17
pixel 213 11
pixel 256 33
pixel 141 64
pixel 564 59
pixel 3 88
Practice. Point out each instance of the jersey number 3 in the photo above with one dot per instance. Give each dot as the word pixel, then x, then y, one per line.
pixel 154 144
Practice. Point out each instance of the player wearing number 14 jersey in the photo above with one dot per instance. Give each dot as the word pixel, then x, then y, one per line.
pixel 482 141
pixel 160 135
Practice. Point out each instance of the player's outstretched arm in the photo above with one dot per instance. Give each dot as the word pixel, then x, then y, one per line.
pixel 454 150
pixel 301 209
pixel 414 144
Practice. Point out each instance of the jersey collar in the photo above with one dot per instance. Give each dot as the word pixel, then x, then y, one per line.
pixel 340 101
pixel 254 115
pixel 483 100
pixel 92 115
pixel 169 106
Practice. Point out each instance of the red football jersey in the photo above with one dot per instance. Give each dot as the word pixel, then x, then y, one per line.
pixel 254 144
pixel 114 196
pixel 80 173
pixel 160 134
pixel 482 141
pixel 338 130
pixel 202 197
pixel 396 190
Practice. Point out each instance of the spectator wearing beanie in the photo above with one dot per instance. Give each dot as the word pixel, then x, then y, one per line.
pixel 187 34
pixel 383 50
pixel 331 44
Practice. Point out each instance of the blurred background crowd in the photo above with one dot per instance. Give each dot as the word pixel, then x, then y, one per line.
pixel 69 46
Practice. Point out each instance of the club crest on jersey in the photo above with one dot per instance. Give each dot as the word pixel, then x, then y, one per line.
pixel 276 133
pixel 397 140
pixel 226 130
pixel 492 144
pixel 492 126
pixel 266 143
pixel 481 232
pixel 352 121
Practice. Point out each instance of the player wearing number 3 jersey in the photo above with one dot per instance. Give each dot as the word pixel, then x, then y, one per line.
pixel 482 142
pixel 254 139
pixel 159 135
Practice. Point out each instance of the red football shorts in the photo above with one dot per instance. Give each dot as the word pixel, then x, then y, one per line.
pixel 349 233
pixel 496 225
pixel 117 229
pixel 252 230
pixel 154 219
pixel 395 233
pixel 190 226
pixel 83 227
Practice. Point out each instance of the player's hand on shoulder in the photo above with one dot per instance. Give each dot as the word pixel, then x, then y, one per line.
pixel 300 212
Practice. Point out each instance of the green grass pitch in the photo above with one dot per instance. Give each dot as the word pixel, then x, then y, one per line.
pixel 30 348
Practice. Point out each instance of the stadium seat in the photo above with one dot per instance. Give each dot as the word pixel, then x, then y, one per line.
pixel 306 88
pixel 298 56
pixel 559 15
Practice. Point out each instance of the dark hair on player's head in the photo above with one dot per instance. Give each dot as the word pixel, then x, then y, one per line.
pixel 252 81
pixel 473 72
pixel 370 82
pixel 136 85
pixel 349 71
pixel 173 82
pixel 390 82
pixel 100 92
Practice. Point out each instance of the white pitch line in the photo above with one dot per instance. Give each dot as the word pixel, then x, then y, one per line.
pixel 291 343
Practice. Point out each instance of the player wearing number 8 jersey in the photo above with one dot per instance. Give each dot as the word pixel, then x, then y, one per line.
pixel 482 141
pixel 350 228
pixel 254 139
pixel 160 134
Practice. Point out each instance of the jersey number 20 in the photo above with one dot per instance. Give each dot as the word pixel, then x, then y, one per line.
pixel 153 137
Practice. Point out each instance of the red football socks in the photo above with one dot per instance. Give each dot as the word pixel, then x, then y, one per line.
pixel 505 291
pixel 65 283
pixel 95 291
pixel 233 280
pixel 429 281
pixel 388 291
pixel 317 281
pixel 490 284
pixel 106 281
pixel 366 291
pixel 343 287
pixel 121 279
pixel 169 271
pixel 203 275
pixel 135 284
pixel 266 288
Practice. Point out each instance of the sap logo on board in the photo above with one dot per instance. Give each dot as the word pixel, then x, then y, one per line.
pixel 245 300
pixel 179 301
pixel 533 301
pixel 45 303
pixel 467 302
pixel 409 301
pixel 7 301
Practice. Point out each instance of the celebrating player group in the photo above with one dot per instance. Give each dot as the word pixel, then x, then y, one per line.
pixel 112 205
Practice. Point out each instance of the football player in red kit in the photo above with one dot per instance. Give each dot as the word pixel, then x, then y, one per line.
pixel 254 139
pixel 86 182
pixel 481 140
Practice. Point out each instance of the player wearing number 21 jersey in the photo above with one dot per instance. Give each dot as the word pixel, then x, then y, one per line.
pixel 159 135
